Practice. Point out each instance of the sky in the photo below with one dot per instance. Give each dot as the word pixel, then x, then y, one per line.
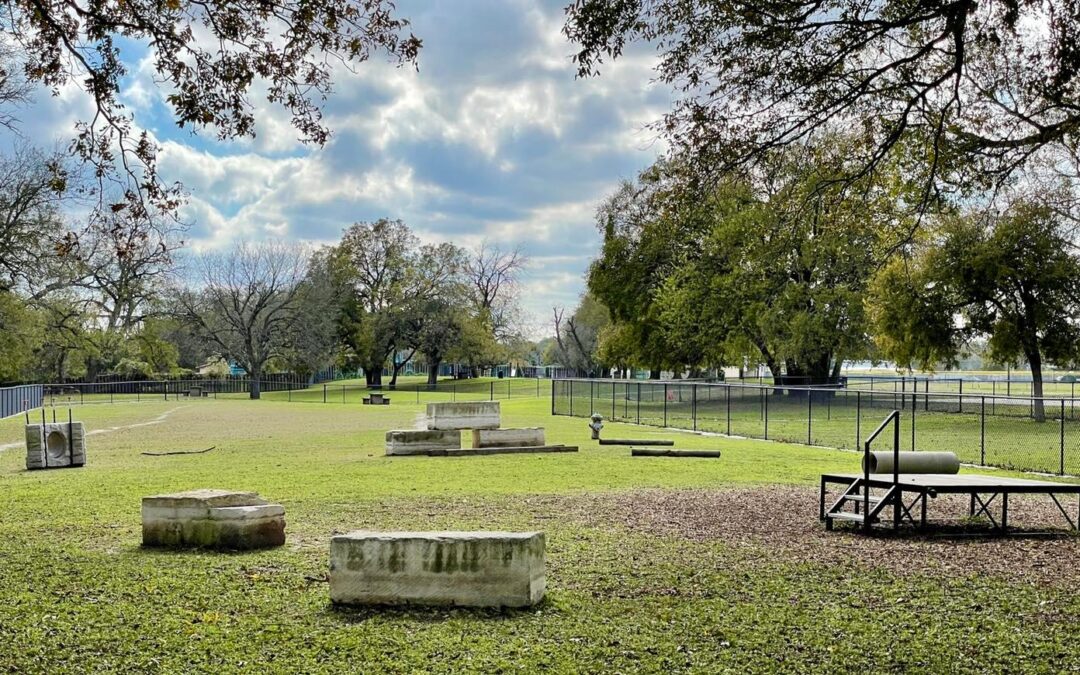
pixel 493 138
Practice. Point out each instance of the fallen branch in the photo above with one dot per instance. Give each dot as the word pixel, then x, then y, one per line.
pixel 179 452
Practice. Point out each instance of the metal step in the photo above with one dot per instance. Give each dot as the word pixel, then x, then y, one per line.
pixel 844 515
pixel 862 498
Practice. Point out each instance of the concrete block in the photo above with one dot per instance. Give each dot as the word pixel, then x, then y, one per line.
pixel 464 415
pixel 421 441
pixel 218 519
pixel 472 569
pixel 507 438
pixel 55 445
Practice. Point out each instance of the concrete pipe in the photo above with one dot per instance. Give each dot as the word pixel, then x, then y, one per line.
pixel 914 462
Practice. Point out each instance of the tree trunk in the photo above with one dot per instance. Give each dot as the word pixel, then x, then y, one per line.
pixel 654 373
pixel 433 373
pixel 1038 409
pixel 255 377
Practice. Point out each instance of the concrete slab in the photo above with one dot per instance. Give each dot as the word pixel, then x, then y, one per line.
pixel 421 441
pixel 508 438
pixel 471 569
pixel 464 415
pixel 217 519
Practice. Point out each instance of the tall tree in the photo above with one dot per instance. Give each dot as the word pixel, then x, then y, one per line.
pixel 493 275
pixel 992 83
pixel 578 335
pixel 248 303
pixel 1012 276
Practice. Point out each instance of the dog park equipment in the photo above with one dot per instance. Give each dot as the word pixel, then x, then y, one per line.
pixel 868 495
pixel 914 462
pixel 464 415
pixel 472 569
pixel 55 445
pixel 421 441
pixel 216 519
pixel 376 399
pixel 442 438
pixel 635 441
pixel 672 452
pixel 508 438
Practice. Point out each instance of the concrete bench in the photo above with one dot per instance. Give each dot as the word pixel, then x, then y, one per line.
pixel 376 399
pixel 464 415
pixel 217 519
pixel 471 569
pixel 421 441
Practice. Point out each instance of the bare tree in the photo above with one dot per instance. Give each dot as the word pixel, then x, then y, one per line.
pixel 249 304
pixel 32 187
pixel 493 275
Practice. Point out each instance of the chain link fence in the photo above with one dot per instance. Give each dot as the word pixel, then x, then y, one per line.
pixel 1021 433
pixel 422 392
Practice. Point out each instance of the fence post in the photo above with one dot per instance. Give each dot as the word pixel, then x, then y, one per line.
pixel 613 385
pixel 639 402
pixel 809 416
pixel 592 398
pixel 982 432
pixel 491 390
pixel 1062 464
pixel 914 405
pixel 324 393
pixel 728 388
pixel 858 416
pixel 765 399
pixel 665 405
pixel 552 394
pixel 693 404
pixel 960 398
pixel 571 397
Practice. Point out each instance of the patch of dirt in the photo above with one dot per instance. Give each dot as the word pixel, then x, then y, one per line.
pixel 784 522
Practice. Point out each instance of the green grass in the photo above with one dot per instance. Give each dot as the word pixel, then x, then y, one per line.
pixel 1012 439
pixel 78 593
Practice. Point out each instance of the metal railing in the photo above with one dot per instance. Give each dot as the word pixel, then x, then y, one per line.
pixel 1022 433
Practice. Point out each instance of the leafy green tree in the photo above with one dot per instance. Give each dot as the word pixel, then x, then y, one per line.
pixel 1011 276
pixel 773 269
pixel 988 83
pixel 20 338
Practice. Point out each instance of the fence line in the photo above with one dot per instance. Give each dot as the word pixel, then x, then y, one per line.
pixel 1006 432
pixel 19 399
pixel 418 392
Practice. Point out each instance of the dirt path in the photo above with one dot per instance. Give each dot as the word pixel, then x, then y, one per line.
pixel 105 430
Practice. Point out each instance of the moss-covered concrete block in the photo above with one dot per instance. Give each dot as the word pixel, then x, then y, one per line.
pixel 421 441
pixel 217 519
pixel 472 569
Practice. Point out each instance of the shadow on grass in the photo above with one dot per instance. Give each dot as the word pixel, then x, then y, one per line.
pixel 354 614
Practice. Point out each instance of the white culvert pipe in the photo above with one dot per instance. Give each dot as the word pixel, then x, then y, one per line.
pixel 914 462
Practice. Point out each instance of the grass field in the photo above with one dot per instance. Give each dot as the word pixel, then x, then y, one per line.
pixel 654 564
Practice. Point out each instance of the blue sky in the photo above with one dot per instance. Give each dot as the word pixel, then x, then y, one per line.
pixel 492 139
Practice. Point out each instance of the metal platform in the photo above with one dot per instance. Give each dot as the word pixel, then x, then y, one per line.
pixel 983 490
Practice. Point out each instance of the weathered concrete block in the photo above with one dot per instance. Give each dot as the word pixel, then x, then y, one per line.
pixel 219 519
pixel 508 438
pixel 473 569
pixel 466 415
pixel 421 441
pixel 55 445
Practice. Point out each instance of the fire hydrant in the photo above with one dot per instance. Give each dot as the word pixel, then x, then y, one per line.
pixel 596 425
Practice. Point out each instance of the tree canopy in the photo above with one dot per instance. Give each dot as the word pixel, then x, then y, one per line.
pixel 989 83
